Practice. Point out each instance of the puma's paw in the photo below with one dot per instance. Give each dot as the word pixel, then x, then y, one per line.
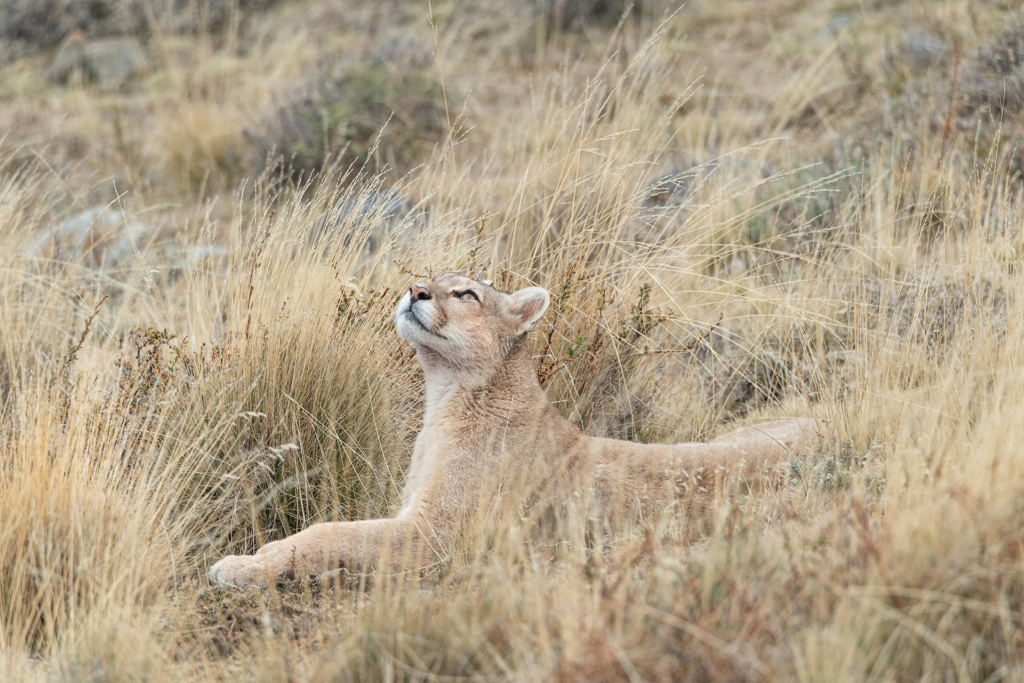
pixel 240 571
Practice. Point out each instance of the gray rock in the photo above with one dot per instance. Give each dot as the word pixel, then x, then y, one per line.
pixel 98 237
pixel 108 62
pixel 673 188
pixel 836 23
pixel 668 189
pixel 113 60
pixel 923 50
pixel 386 209
pixel 70 58
pixel 204 254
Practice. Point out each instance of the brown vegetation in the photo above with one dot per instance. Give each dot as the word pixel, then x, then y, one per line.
pixel 742 210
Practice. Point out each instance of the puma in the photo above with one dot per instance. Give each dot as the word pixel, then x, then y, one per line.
pixel 490 439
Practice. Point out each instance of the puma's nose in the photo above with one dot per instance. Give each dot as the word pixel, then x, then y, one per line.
pixel 419 293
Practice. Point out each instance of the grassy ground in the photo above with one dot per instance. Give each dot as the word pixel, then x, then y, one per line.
pixel 743 211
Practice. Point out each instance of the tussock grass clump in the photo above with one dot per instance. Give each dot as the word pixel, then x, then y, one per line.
pixel 305 353
pixel 365 115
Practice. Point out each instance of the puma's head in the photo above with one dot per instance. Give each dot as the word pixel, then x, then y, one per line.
pixel 465 324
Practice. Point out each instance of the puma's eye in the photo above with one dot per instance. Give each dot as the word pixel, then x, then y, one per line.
pixel 466 296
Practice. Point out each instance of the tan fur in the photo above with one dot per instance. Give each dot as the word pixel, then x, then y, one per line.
pixel 491 440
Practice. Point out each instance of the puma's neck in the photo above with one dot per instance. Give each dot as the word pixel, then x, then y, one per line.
pixel 513 387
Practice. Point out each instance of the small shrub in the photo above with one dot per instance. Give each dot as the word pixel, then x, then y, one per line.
pixel 995 80
pixel 361 114
pixel 574 15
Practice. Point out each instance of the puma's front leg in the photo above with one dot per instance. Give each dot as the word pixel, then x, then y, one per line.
pixel 357 546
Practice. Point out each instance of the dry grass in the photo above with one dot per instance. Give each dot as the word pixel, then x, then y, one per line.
pixel 827 223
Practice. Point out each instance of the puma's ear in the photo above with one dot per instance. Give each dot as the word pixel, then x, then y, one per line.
pixel 527 307
pixel 489 283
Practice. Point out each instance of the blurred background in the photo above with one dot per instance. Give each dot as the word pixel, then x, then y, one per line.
pixel 180 101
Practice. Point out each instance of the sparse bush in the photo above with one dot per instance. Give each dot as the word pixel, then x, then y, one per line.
pixel 994 80
pixel 576 15
pixel 362 115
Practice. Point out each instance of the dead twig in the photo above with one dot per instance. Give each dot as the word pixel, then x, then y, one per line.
pixel 252 272
pixel 947 128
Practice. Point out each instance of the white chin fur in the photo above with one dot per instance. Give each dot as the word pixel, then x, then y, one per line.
pixel 408 329
pixel 402 323
pixel 404 328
